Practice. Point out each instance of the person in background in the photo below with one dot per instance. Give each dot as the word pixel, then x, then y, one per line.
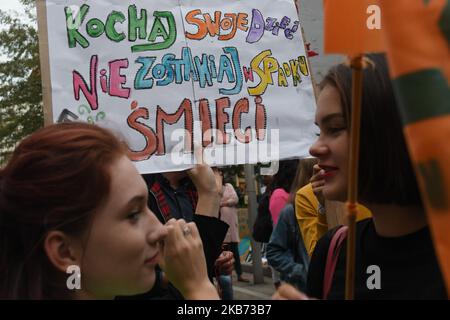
pixel 263 199
pixel 229 214
pixel 280 187
pixel 266 181
pixel 286 251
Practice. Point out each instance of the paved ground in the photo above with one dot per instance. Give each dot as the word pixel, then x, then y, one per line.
pixel 251 291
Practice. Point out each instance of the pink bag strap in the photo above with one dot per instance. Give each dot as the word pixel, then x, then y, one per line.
pixel 332 258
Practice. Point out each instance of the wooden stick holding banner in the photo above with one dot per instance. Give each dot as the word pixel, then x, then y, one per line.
pixel 45 61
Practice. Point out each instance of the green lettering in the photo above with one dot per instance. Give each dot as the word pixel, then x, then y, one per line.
pixel 113 18
pixel 72 25
pixel 159 30
pixel 135 24
pixel 95 28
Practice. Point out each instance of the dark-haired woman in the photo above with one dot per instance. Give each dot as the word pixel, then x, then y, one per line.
pixel 395 257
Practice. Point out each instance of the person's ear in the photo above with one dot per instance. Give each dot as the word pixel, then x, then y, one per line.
pixel 62 250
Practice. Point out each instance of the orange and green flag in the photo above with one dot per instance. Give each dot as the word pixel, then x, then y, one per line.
pixel 417 35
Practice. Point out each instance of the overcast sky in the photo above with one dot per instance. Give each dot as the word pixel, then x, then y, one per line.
pixel 11 5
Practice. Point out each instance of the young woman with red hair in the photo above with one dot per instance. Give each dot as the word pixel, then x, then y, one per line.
pixel 69 196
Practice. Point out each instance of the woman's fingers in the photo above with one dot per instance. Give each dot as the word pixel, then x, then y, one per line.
pixel 317 176
pixel 198 152
pixel 316 169
pixel 184 261
pixel 318 184
pixel 317 181
pixel 193 235
pixel 288 292
pixel 174 242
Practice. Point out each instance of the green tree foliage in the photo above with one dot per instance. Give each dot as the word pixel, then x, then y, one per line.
pixel 20 78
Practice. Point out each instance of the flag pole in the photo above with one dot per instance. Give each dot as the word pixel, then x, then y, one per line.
pixel 356 64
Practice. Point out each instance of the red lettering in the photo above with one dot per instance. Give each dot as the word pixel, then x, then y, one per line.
pixel 148 133
pixel 240 108
pixel 222 118
pixel 116 80
pixel 261 119
pixel 155 142
pixel 79 84
pixel 248 74
pixel 163 117
pixel 205 118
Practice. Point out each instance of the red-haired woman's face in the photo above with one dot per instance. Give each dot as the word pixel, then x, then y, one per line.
pixel 123 244
pixel 331 148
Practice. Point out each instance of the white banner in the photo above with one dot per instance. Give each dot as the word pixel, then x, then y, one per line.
pixel 230 75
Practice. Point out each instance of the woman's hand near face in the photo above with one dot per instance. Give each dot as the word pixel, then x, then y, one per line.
pixel 318 182
pixel 204 179
pixel 288 292
pixel 183 261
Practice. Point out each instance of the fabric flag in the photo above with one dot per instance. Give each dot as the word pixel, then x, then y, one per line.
pixel 417 34
pixel 353 26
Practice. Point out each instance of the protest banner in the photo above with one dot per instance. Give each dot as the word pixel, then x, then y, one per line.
pixel 232 76
pixel 311 17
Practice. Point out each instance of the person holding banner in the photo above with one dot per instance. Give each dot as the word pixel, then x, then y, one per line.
pixel 173 195
pixel 74 222
pixel 395 257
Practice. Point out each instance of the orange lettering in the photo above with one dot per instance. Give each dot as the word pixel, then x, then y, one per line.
pixel 191 19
